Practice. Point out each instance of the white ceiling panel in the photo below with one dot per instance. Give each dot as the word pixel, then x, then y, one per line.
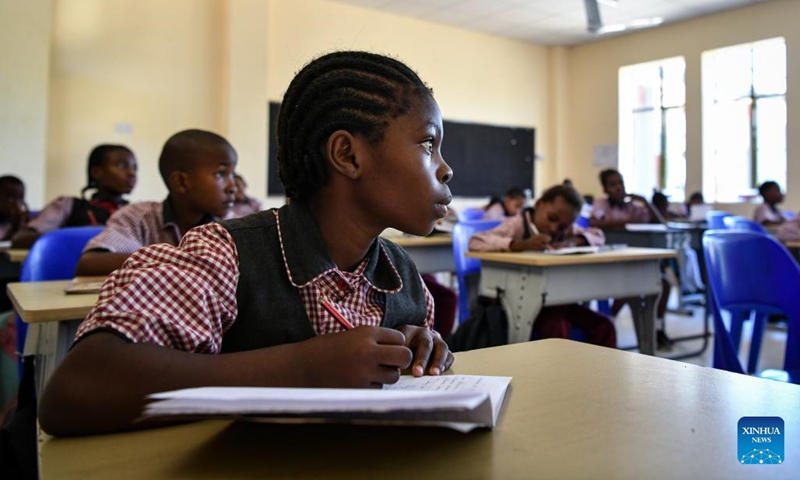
pixel 546 22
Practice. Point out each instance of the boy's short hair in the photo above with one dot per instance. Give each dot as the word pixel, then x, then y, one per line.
pixel 11 180
pixel 569 194
pixel 606 174
pixel 359 92
pixel 767 186
pixel 182 148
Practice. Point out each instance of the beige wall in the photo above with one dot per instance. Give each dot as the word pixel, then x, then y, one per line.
pixel 593 103
pixel 153 65
pixel 159 67
pixel 24 70
pixel 136 71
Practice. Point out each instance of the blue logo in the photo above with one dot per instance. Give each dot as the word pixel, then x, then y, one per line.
pixel 761 440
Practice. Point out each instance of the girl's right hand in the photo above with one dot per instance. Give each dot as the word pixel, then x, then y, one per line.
pixel 538 242
pixel 365 357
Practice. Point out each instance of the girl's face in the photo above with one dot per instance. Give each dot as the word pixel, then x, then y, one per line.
pixel 117 174
pixel 405 176
pixel 514 205
pixel 615 187
pixel 554 218
pixel 773 195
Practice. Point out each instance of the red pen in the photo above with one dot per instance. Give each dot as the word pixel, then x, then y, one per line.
pixel 338 316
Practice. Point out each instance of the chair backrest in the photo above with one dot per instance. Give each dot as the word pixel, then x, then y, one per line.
pixel 749 271
pixel 471 214
pixel 716 219
pixel 742 224
pixel 462 232
pixel 55 254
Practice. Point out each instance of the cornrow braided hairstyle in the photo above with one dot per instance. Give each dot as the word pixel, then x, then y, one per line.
pixel 359 92
pixel 97 156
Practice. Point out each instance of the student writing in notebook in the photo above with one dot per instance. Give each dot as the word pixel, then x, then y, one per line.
pixel 551 224
pixel 258 300
pixel 110 172
pixel 197 167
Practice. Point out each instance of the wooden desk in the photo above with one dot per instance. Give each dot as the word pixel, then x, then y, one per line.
pixel 430 254
pixel 532 280
pixel 52 317
pixel 17 255
pixel 573 411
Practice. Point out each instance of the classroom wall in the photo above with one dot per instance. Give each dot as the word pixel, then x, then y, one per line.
pixel 593 102
pixel 132 72
pixel 136 71
pixel 24 72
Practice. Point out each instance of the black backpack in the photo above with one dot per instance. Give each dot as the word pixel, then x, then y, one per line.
pixel 486 327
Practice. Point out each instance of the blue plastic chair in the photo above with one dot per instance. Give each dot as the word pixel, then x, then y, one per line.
pixel 752 272
pixel 471 214
pixel 735 222
pixel 53 256
pixel 716 219
pixel 462 232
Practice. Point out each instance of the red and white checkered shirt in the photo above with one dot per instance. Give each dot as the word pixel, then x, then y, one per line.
pixel 184 297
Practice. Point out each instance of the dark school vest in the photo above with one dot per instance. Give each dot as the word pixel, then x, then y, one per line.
pixel 85 212
pixel 270 309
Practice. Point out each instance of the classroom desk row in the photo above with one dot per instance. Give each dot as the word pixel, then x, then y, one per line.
pixel 573 411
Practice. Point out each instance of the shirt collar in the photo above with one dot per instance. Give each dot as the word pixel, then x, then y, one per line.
pixel 306 256
pixel 168 214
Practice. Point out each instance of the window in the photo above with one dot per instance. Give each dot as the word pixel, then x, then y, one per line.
pixel 744 119
pixel 652 130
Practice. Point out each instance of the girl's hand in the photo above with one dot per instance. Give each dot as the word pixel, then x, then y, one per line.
pixel 358 358
pixel 538 242
pixel 431 353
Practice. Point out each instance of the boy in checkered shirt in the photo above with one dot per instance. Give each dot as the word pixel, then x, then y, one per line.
pixel 198 169
pixel 272 298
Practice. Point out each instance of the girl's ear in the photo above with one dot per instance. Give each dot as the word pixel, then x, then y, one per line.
pixel 342 152
pixel 178 182
pixel 96 172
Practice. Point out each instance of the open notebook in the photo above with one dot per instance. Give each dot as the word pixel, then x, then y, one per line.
pixel 585 249
pixel 460 402
pixel 85 285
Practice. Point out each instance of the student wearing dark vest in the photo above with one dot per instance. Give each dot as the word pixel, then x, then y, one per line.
pixel 110 172
pixel 551 224
pixel 198 169
pixel 258 300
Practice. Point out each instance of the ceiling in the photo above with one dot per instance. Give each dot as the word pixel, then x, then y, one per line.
pixel 546 22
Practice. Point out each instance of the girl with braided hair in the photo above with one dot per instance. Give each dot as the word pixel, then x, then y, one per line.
pixel 307 295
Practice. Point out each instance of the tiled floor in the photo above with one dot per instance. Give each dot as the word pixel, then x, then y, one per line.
pixel 678 325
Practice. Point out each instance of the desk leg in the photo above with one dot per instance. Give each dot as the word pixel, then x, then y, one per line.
pixel 643 311
pixel 523 289
pixel 48 342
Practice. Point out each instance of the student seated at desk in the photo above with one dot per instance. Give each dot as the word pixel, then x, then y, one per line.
pixel 269 299
pixel 661 204
pixel 508 206
pixel 13 210
pixel 111 172
pixel 551 224
pixel 197 167
pixel 768 213
pixel 696 198
pixel 617 210
pixel 620 208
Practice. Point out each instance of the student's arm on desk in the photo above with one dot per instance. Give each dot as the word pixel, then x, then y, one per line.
pixel 101 385
pixel 99 262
